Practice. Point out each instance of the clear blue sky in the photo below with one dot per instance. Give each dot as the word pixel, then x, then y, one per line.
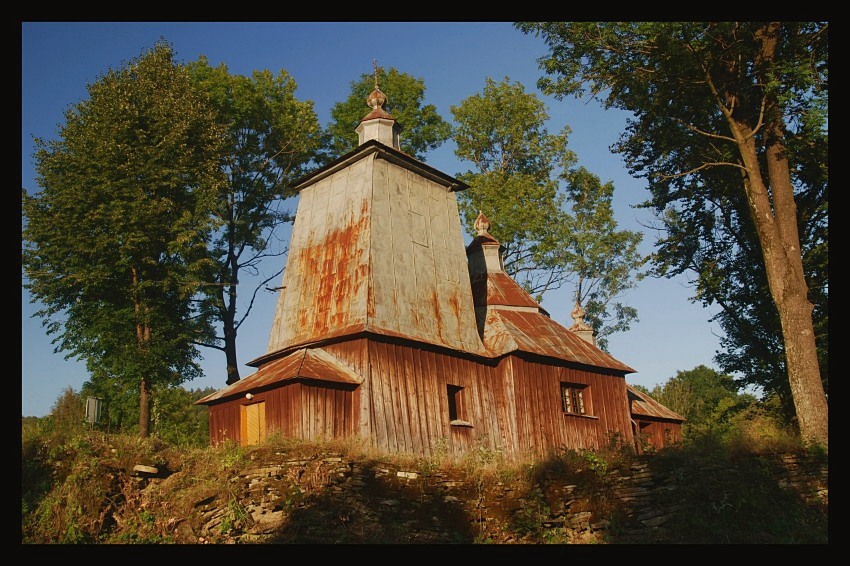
pixel 60 59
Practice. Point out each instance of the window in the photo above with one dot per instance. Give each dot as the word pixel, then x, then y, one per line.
pixel 457 411
pixel 573 398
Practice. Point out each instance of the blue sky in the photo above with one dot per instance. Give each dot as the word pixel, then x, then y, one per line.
pixel 59 59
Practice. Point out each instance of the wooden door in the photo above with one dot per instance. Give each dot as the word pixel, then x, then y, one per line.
pixel 253 423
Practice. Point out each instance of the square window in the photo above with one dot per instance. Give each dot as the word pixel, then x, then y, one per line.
pixel 574 398
pixel 457 410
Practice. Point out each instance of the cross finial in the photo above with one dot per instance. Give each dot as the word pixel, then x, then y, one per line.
pixel 375 66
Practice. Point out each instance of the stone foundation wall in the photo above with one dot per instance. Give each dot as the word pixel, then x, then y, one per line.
pixel 328 499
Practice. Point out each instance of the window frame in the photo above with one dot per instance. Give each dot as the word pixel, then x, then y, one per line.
pixel 457 408
pixel 575 399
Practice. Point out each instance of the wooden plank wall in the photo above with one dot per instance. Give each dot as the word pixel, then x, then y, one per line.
pixel 659 434
pixel 514 407
pixel 296 409
pixel 409 402
pixel 513 404
pixel 311 410
pixel 545 427
pixel 224 423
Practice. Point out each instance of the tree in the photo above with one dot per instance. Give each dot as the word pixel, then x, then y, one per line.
pixel 271 139
pixel 423 128
pixel 114 243
pixel 520 166
pixel 177 420
pixel 69 410
pixel 752 343
pixel 707 398
pixel 502 132
pixel 729 118
pixel 600 257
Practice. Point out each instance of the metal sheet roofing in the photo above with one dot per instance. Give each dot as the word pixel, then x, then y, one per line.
pixel 645 406
pixel 306 363
pixel 376 247
pixel 498 289
pixel 536 333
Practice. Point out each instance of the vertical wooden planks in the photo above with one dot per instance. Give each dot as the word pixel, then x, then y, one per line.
pixel 416 378
pixel 381 401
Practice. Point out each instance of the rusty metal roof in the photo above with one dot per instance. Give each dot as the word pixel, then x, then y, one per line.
pixel 377 247
pixel 536 333
pixel 643 405
pixel 498 289
pixel 513 321
pixel 306 363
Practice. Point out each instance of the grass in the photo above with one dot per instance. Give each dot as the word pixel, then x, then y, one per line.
pixel 80 488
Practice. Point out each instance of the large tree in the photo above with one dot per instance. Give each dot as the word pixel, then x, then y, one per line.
pixel 517 183
pixel 114 242
pixel 729 117
pixel 423 128
pixel 502 132
pixel 271 139
pixel 601 258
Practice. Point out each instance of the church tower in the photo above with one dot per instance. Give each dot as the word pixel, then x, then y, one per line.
pixel 376 247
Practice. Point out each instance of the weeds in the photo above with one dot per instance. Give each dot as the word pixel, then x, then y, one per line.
pixel 235 516
pixel 79 488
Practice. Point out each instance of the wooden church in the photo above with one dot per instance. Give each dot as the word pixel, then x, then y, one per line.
pixel 389 330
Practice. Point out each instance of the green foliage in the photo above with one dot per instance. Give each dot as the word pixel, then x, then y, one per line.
pixel 423 129
pixel 69 412
pixel 535 509
pixel 177 420
pixel 90 489
pixel 271 138
pixel 720 495
pixel 718 413
pixel 706 398
pixel 730 130
pixel 501 131
pixel 115 240
pixel 517 185
pixel 120 409
pixel 234 517
pixel 601 257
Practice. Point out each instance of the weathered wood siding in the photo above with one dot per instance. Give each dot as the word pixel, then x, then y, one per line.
pixel 658 433
pixel 517 416
pixel 409 400
pixel 295 409
pixel 224 423
pixel 511 405
pixel 543 425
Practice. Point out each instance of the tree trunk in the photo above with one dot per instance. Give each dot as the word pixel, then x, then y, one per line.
pixel 774 214
pixel 145 408
pixel 230 354
pixel 229 324
pixel 780 239
pixel 776 225
pixel 143 338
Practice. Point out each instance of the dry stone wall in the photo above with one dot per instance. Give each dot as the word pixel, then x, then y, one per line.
pixel 330 499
